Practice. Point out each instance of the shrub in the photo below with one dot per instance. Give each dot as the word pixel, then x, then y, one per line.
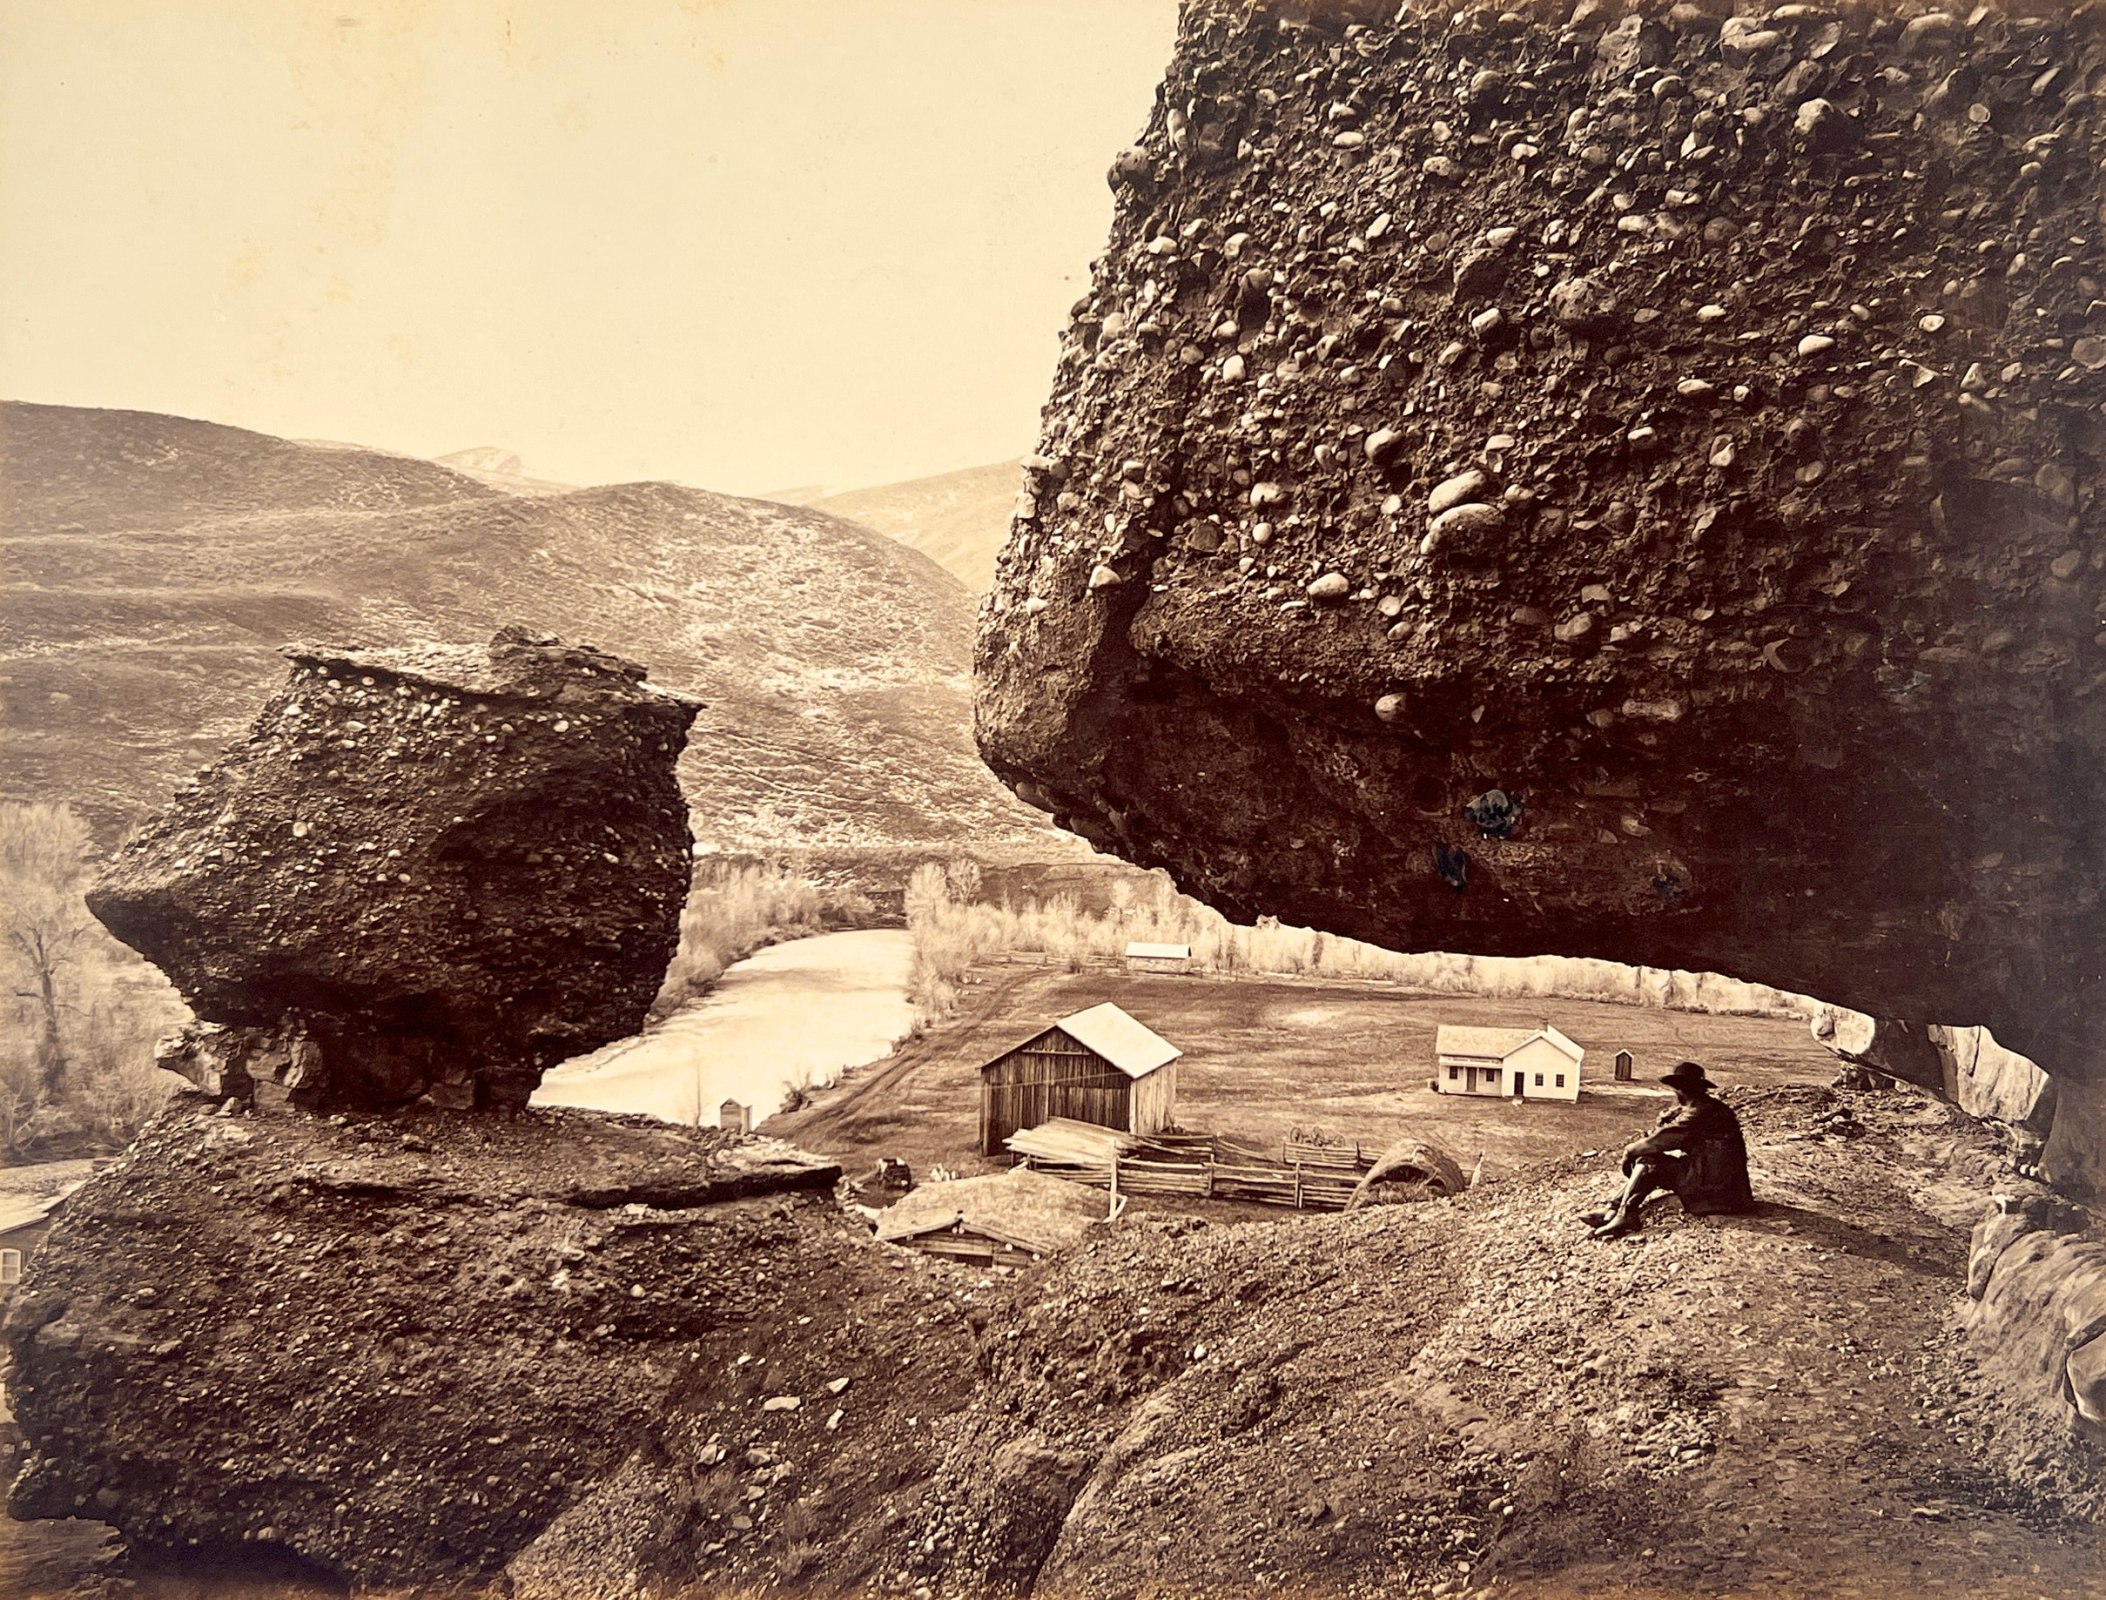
pixel 951 934
pixel 734 910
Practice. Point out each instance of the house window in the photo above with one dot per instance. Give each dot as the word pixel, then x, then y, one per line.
pixel 1561 1080
pixel 10 1266
pixel 1539 1080
pixel 1454 1073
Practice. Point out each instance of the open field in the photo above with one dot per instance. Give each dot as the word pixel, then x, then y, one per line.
pixel 1264 1056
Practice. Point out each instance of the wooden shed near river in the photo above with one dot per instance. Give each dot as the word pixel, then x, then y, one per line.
pixel 1098 1066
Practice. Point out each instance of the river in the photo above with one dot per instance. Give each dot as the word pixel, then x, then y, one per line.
pixel 796 1014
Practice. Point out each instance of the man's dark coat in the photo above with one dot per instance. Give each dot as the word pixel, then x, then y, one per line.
pixel 1710 1173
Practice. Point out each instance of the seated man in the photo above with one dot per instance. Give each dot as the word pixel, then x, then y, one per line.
pixel 1696 1153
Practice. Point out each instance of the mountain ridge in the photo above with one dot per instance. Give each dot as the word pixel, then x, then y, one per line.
pixel 156 564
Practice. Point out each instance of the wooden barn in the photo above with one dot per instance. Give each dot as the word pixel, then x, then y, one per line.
pixel 1098 1066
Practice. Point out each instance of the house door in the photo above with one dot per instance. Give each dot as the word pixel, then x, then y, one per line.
pixel 1520 1079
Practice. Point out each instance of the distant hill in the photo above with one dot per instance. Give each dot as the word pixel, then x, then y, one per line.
pixel 154 564
pixel 959 519
pixel 497 468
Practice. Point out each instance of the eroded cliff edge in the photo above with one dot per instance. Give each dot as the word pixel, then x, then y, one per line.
pixel 1611 483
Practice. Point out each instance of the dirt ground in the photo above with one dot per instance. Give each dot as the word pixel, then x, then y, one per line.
pixel 1470 1394
pixel 1417 1401
pixel 1265 1055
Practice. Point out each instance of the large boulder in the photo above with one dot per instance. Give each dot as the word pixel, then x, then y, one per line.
pixel 1600 482
pixel 426 871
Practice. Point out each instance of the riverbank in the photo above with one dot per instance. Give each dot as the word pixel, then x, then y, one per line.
pixel 789 1018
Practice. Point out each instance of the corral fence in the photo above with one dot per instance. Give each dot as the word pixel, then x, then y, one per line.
pixel 1295 1173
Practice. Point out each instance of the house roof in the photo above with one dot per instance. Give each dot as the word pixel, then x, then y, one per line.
pixel 1496 1044
pixel 1133 1048
pixel 23 1210
pixel 1160 952
pixel 1019 1207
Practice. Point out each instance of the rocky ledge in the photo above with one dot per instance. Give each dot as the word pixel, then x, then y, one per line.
pixel 1600 480
pixel 435 871
pixel 398 1348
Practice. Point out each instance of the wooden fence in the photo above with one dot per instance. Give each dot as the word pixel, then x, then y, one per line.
pixel 1307 1177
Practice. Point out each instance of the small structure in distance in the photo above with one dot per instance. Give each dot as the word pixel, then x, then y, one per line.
pixel 1098 1066
pixel 1525 1063
pixel 24 1220
pixel 1008 1219
pixel 1144 957
pixel 1626 1066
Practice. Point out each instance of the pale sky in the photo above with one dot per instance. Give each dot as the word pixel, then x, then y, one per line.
pixel 745 244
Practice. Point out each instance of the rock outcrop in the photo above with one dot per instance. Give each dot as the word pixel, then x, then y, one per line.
pixel 598 1356
pixel 1612 482
pixel 433 871
pixel 1965 1065
pixel 2036 1281
pixel 399 1349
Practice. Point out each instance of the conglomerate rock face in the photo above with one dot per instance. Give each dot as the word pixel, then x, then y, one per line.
pixel 426 871
pixel 1615 483
pixel 393 1347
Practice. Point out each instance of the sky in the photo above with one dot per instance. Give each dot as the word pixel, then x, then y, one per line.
pixel 743 244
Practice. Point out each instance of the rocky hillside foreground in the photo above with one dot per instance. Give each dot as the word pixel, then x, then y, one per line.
pixel 1601 479
pixel 155 564
pixel 570 1349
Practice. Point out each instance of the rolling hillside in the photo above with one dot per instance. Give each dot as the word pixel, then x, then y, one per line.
pixel 957 519
pixel 153 565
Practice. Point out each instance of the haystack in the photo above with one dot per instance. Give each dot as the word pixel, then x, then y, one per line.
pixel 1410 1162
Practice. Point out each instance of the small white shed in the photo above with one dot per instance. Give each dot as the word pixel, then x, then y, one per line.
pixel 1144 957
pixel 1520 1063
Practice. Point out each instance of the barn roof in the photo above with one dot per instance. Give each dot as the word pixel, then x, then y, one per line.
pixel 1133 1048
pixel 1019 1207
pixel 1496 1044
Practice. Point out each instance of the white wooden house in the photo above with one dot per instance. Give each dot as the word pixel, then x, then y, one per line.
pixel 1517 1063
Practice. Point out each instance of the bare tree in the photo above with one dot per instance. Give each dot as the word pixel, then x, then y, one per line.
pixel 76 1051
pixel 43 876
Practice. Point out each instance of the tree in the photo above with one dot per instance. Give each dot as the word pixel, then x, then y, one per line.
pixel 76 1055
pixel 928 892
pixel 43 878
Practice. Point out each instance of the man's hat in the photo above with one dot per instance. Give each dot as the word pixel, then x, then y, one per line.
pixel 1686 1075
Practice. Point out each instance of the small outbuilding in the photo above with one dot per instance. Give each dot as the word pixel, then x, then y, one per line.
pixel 1008 1219
pixel 1098 1066
pixel 1524 1063
pixel 1143 957
pixel 24 1221
pixel 1626 1066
